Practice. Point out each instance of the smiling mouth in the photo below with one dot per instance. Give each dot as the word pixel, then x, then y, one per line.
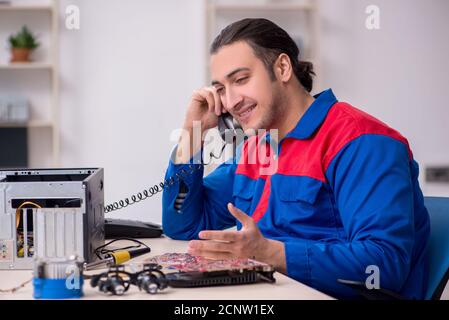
pixel 244 116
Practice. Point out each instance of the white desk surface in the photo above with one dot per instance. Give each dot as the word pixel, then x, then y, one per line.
pixel 284 288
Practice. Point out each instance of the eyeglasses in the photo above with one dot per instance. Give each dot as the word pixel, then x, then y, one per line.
pixel 117 280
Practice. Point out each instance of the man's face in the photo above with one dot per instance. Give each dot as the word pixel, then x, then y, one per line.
pixel 245 88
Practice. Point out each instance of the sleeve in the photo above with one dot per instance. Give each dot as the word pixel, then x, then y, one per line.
pixel 205 202
pixel 373 190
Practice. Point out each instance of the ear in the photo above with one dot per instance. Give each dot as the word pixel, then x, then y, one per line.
pixel 283 68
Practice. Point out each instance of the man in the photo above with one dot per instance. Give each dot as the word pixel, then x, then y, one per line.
pixel 344 199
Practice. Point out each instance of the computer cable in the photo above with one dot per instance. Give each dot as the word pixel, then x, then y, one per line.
pixel 17 288
pixel 102 250
pixel 20 207
pixel 23 234
pixel 117 256
pixel 157 188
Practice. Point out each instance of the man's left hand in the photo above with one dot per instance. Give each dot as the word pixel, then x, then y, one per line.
pixel 245 243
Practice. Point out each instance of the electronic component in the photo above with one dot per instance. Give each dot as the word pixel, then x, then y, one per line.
pixel 219 278
pixel 6 250
pixel 185 262
pixel 47 213
pixel 196 271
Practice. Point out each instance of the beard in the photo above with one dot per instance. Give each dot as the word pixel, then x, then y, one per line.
pixel 271 115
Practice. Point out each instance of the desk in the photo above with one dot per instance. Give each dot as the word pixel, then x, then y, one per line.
pixel 285 288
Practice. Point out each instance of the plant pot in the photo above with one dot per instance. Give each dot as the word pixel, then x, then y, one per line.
pixel 20 55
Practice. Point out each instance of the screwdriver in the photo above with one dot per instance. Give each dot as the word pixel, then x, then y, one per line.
pixel 115 258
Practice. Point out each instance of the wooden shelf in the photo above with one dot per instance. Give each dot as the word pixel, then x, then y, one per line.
pixel 16 7
pixel 29 124
pixel 263 7
pixel 26 66
pixel 45 10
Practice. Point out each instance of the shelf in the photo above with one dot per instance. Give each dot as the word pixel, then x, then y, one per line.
pixel 45 130
pixel 16 7
pixel 26 66
pixel 263 7
pixel 29 124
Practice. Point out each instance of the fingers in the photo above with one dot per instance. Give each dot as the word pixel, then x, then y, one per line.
pixel 200 246
pixel 244 219
pixel 219 235
pixel 211 249
pixel 210 96
pixel 217 101
pixel 206 96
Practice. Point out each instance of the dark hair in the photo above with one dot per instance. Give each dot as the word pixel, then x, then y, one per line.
pixel 268 41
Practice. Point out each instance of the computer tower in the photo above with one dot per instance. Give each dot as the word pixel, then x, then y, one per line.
pixel 50 213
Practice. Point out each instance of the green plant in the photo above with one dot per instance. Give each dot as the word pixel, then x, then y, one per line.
pixel 24 39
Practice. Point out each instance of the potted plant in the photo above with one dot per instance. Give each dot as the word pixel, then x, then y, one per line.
pixel 22 44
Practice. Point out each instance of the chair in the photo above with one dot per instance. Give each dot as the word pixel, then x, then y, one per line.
pixel 438 209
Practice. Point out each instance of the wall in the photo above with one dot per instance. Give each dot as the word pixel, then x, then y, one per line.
pixel 398 73
pixel 128 73
pixel 127 76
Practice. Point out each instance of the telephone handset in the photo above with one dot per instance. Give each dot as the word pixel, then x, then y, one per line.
pixel 225 122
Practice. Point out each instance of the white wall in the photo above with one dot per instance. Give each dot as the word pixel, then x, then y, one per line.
pixel 127 76
pixel 398 73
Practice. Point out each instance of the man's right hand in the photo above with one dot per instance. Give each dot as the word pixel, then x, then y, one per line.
pixel 204 107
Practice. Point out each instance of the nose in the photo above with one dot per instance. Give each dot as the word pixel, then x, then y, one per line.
pixel 233 99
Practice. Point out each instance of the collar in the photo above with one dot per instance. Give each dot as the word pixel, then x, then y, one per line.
pixel 314 115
